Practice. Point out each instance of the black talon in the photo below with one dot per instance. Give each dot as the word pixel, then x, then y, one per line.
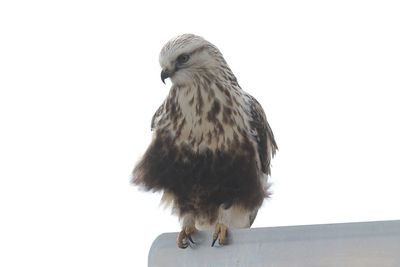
pixel 214 242
pixel 190 239
pixel 184 245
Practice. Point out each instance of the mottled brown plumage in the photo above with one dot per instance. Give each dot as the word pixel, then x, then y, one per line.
pixel 212 145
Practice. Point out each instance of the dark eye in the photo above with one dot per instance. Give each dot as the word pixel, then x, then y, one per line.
pixel 183 58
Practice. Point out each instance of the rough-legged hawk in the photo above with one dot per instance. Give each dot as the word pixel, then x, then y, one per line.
pixel 212 145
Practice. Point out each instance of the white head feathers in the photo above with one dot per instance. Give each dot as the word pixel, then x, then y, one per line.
pixel 187 56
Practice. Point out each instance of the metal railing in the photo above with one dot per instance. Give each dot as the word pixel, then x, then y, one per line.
pixel 347 244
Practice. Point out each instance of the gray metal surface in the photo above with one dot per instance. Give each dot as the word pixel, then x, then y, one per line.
pixel 347 244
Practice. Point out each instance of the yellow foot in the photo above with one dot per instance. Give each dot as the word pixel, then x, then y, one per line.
pixel 184 236
pixel 220 234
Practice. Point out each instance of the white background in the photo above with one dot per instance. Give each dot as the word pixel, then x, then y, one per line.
pixel 80 82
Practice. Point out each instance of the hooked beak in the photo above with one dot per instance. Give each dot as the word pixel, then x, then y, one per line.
pixel 164 75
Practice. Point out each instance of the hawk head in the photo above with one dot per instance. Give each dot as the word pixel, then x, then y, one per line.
pixel 186 57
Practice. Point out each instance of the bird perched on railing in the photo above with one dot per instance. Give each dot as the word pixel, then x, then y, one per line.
pixel 212 145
